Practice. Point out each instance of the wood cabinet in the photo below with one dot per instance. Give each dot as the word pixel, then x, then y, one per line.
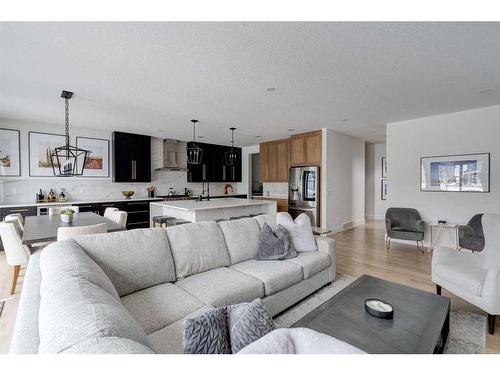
pixel 281 203
pixel 275 161
pixel 131 157
pixel 305 149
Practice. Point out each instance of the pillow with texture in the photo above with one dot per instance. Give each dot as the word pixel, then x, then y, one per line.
pixel 207 333
pixel 247 323
pixel 300 230
pixel 275 245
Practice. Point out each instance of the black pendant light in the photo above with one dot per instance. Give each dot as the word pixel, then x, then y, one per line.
pixel 194 153
pixel 67 160
pixel 231 156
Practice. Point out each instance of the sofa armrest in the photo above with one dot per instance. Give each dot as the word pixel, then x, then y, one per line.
pixel 388 226
pixel 327 245
pixel 465 231
pixel 421 225
pixel 491 291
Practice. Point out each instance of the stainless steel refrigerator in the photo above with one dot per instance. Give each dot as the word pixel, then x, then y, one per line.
pixel 303 193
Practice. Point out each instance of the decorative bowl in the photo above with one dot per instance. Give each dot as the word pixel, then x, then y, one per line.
pixel 128 193
pixel 379 309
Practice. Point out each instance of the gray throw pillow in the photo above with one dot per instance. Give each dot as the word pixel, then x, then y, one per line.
pixel 275 245
pixel 247 323
pixel 207 333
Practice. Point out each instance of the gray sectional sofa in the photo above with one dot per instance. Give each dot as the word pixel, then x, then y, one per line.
pixel 129 292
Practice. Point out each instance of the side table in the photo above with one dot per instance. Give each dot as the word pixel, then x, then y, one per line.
pixel 450 228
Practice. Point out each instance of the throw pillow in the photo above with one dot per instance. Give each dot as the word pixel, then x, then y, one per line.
pixel 247 323
pixel 274 245
pixel 300 230
pixel 290 250
pixel 207 333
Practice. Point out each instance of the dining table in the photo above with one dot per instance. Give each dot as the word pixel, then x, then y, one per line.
pixel 44 228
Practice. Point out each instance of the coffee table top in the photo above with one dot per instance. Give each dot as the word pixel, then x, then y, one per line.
pixel 416 328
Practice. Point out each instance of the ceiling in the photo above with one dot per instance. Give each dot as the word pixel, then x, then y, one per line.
pixel 153 78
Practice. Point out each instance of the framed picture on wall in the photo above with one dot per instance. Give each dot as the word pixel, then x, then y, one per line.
pixel 40 146
pixel 97 164
pixel 383 189
pixel 384 167
pixel 456 173
pixel 10 152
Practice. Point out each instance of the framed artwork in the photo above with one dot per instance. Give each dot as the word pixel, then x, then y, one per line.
pixel 97 164
pixel 383 189
pixel 40 146
pixel 384 167
pixel 10 152
pixel 456 173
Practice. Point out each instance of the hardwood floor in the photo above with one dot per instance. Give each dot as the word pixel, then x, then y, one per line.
pixel 360 250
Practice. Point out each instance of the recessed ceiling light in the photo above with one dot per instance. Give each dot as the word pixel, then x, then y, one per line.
pixel 271 89
pixel 258 136
pixel 485 91
pixel 345 120
pixel 291 130
pixel 160 130
pixel 200 136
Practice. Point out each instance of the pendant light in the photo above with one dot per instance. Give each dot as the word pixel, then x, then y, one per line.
pixel 67 160
pixel 231 156
pixel 194 153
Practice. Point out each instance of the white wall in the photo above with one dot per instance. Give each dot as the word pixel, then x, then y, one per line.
pixel 22 189
pixel 474 131
pixel 245 186
pixel 342 181
pixel 375 207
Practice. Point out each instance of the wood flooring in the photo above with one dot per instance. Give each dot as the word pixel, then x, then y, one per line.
pixel 360 250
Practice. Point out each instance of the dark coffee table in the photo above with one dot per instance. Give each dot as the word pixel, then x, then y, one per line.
pixel 421 320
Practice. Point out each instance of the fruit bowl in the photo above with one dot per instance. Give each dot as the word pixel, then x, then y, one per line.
pixel 128 193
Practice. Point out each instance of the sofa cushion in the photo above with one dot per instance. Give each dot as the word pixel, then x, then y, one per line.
pixel 134 259
pixel 65 260
pixel 75 310
pixel 311 262
pixel 161 305
pixel 108 345
pixel 242 238
pixel 168 340
pixel 197 247
pixel 223 286
pixel 465 276
pixel 275 274
pixel 269 219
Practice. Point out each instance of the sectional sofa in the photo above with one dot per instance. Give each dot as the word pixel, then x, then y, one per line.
pixel 129 292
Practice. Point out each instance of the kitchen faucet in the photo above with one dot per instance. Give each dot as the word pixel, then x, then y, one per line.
pixel 203 190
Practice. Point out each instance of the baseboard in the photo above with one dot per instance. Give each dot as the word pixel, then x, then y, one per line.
pixel 348 225
pixel 374 217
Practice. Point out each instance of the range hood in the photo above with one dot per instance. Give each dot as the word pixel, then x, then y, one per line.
pixel 174 155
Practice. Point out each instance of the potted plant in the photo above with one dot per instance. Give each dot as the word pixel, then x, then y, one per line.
pixel 67 216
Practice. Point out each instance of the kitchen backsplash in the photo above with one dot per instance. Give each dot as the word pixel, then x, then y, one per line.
pixel 21 190
pixel 275 189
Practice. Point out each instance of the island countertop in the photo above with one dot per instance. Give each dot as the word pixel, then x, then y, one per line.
pixel 216 209
pixel 209 205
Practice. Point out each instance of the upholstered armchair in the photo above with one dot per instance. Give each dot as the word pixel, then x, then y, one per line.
pixel 471 236
pixel 474 277
pixel 404 224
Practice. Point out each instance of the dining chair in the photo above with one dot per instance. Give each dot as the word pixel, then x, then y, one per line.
pixel 64 233
pixel 58 210
pixel 19 219
pixel 108 212
pixel 119 217
pixel 16 253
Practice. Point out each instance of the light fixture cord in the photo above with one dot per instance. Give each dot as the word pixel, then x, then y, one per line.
pixel 66 127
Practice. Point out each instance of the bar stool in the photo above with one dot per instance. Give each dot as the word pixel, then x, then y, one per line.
pixel 162 220
pixel 237 217
pixel 219 220
pixel 177 222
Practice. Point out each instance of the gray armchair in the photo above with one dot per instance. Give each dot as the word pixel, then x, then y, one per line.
pixel 404 224
pixel 471 236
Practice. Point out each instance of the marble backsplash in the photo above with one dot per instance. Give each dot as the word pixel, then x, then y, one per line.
pixel 20 190
pixel 275 189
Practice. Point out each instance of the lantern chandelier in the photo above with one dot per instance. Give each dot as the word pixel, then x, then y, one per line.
pixel 194 153
pixel 231 156
pixel 67 160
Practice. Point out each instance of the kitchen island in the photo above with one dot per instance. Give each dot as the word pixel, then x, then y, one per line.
pixel 211 210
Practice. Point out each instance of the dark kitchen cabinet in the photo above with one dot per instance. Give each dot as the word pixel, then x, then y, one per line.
pixel 100 208
pixel 213 166
pixel 131 157
pixel 24 211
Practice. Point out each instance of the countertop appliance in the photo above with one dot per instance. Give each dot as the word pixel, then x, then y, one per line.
pixel 303 193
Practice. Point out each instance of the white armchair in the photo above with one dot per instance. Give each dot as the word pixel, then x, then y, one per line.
pixel 475 277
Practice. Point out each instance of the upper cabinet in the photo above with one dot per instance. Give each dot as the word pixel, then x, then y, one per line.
pixel 131 157
pixel 305 149
pixel 213 167
pixel 275 161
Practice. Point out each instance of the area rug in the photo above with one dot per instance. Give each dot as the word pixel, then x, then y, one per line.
pixel 467 330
